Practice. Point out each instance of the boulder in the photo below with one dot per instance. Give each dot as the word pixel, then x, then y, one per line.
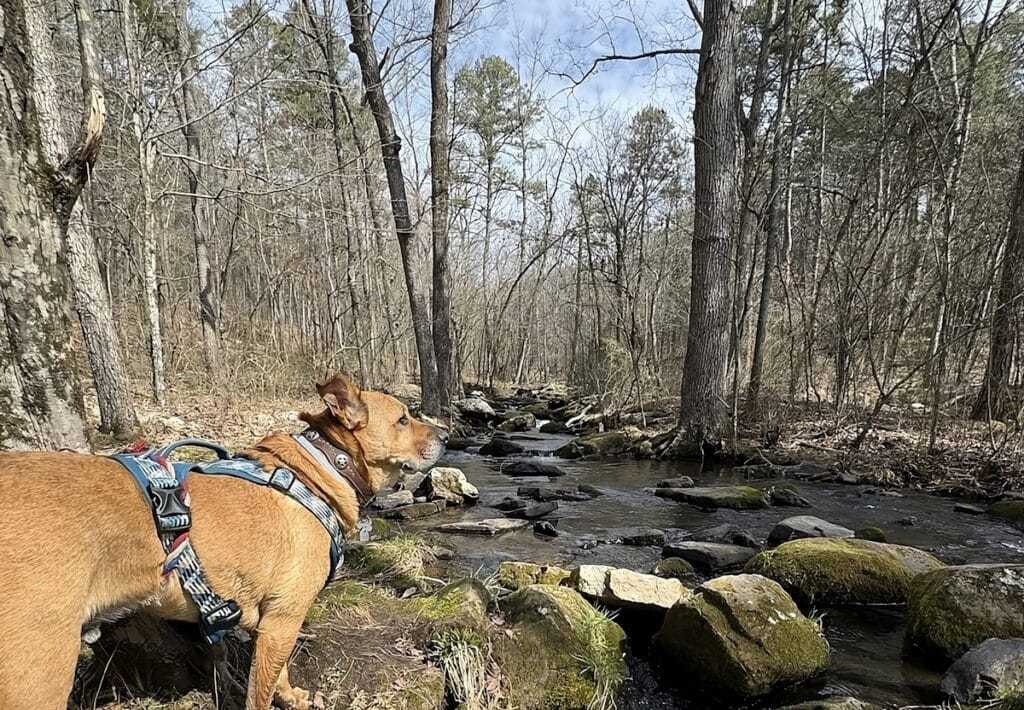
pixel 801 526
pixel 674 568
pixel 530 468
pixel 476 409
pixel 451 486
pixel 507 504
pixel 554 427
pixel 742 635
pixel 710 556
pixel 516 575
pixel 459 443
pixel 677 482
pixel 532 512
pixel 518 421
pixel 642 537
pixel 626 588
pixel 1012 511
pixel 726 533
pixel 412 482
pixel 787 498
pixel 558 651
pixel 545 494
pixel 870 533
pixel 488 526
pixel 501 446
pixel 545 528
pixel 609 443
pixel 991 668
pixel 712 497
pixel 951 610
pixel 392 500
pixel 840 572
pixel 414 511
pixel 969 509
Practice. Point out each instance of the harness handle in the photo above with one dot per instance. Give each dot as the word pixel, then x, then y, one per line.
pixel 221 452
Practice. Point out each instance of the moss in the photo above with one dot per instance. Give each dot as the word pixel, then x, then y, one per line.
pixel 1009 510
pixel 873 534
pixel 837 572
pixel 399 560
pixel 516 575
pixel 952 610
pixel 743 636
pixel 460 604
pixel 344 595
pixel 562 652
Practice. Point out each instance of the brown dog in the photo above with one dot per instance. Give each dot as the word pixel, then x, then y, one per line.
pixel 78 542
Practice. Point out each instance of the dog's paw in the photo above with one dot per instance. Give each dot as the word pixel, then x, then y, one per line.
pixel 293 699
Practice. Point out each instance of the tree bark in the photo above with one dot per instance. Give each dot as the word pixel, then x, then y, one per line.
pixel 993 401
pixel 40 402
pixel 390 147
pixel 439 195
pixel 91 302
pixel 715 123
pixel 194 171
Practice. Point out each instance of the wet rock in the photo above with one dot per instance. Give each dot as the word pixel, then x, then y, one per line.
pixel 738 497
pixel 415 511
pixel 951 610
pixel 589 490
pixel 609 443
pixel 677 482
pixel 1011 511
pixel 392 500
pixel 643 537
pixel 507 504
pixel 840 572
pixel 874 534
pixel 501 446
pixel 553 427
pixel 710 556
pixel 530 468
pixel 412 482
pixel 909 521
pixel 488 526
pixel 451 486
pixel 743 636
pixel 545 528
pixel 837 703
pixel 728 534
pixel 532 512
pixel 541 410
pixel 516 575
pixel 546 494
pixel 787 497
pixel 969 509
pixel 518 421
pixel 626 588
pixel 848 477
pixel 559 652
pixel 459 443
pixel 673 568
pixel 993 667
pixel 476 409
pixel 808 471
pixel 372 529
pixel 801 526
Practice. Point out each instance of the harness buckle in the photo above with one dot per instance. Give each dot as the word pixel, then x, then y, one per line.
pixel 221 618
pixel 170 512
pixel 281 480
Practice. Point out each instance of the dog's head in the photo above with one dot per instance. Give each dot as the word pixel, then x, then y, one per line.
pixel 391 439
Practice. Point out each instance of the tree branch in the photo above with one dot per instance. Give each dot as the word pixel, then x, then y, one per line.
pixel 627 58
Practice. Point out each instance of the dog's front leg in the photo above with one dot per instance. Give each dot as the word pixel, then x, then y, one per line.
pixel 275 639
pixel 288 696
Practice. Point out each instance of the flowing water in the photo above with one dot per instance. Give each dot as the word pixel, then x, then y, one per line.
pixel 866 644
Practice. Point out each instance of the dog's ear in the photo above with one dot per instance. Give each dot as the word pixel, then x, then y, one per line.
pixel 343 400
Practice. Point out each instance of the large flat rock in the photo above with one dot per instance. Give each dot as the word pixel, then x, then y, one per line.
pixel 488 526
pixel 712 497
pixel 710 556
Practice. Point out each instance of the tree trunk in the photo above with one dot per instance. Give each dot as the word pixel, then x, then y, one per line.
pixel 715 147
pixel 40 402
pixel 106 360
pixel 439 195
pixel 993 401
pixel 390 147
pixel 194 170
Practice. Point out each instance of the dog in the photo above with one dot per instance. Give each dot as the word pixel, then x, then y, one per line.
pixel 78 543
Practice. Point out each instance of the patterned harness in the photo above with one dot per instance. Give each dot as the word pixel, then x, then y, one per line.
pixel 164 485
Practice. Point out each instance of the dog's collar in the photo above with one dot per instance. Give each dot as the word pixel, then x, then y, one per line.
pixel 336 461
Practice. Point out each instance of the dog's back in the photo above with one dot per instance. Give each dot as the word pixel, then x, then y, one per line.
pixel 71 532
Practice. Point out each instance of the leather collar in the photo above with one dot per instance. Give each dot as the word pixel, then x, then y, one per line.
pixel 336 461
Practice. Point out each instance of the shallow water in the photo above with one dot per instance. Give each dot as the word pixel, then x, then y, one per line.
pixel 866 644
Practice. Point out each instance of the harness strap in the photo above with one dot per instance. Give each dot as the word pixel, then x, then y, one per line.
pixel 335 461
pixel 217 615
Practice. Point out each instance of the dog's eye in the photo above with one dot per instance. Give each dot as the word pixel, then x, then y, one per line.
pixel 404 421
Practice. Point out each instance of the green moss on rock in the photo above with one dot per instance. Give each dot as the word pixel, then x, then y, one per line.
pixel 742 635
pixel 609 443
pixel 952 610
pixel 561 652
pixel 516 575
pixel 872 533
pixel 711 497
pixel 840 571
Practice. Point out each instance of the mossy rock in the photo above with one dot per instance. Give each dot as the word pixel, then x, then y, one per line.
pixel 873 534
pixel 398 560
pixel 952 610
pixel 674 568
pixel 561 652
pixel 516 575
pixel 1011 511
pixel 841 571
pixel 463 603
pixel 743 636
pixel 609 443
pixel 712 497
pixel 344 595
